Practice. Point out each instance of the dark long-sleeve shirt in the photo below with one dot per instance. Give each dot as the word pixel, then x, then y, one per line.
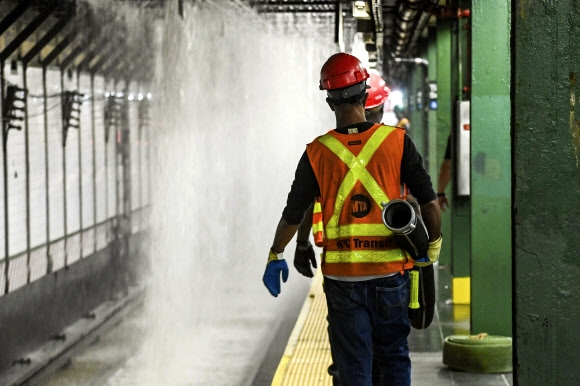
pixel 305 186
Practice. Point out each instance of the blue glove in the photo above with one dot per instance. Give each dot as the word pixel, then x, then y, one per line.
pixel 276 265
pixel 304 257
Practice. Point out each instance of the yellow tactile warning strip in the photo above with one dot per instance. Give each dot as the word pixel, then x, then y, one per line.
pixel 307 356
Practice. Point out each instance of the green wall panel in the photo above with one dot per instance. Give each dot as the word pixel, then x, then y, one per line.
pixel 461 205
pixel 444 111
pixel 491 247
pixel 547 192
pixel 417 115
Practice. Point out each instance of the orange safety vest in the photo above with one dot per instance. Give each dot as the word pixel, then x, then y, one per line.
pixel 356 173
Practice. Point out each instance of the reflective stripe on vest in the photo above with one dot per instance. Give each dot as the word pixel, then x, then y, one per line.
pixel 364 256
pixel 317 225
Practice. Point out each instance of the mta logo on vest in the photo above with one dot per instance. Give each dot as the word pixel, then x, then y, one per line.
pixel 360 205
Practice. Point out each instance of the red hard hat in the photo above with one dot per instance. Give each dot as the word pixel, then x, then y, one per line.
pixel 378 92
pixel 342 70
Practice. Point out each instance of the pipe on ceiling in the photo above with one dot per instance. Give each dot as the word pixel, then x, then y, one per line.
pixel 421 61
pixel 410 20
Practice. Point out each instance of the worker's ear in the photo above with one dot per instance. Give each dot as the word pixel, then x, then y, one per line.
pixel 364 100
pixel 330 104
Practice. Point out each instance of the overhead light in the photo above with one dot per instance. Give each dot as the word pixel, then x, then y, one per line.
pixel 361 10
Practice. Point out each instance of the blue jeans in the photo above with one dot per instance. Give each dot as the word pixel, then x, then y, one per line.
pixel 369 327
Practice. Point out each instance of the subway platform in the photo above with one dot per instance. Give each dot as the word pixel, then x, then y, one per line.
pixel 307 355
pixel 237 348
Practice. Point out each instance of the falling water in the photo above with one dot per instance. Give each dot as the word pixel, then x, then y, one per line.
pixel 236 102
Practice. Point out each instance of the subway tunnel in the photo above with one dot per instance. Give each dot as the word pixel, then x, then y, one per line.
pixel 149 148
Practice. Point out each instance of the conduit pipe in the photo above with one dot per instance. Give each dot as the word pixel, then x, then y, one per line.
pixel 421 61
pixel 450 13
pixel 411 19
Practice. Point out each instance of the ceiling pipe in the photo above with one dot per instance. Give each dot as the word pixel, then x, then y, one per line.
pixel 420 61
pixel 443 13
pixel 421 24
pixel 412 17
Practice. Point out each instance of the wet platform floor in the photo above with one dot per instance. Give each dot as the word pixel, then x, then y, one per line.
pixel 307 355
pixel 231 351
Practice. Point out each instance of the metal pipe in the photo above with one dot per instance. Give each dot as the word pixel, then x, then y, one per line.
pixel 410 16
pixel 93 137
pixel 80 156
pixel 141 123
pixel 126 162
pixel 451 13
pixel 117 176
pixel 423 20
pixel 5 186
pixel 27 168
pixel 49 262
pixel 420 61
pixel 106 157
pixel 64 195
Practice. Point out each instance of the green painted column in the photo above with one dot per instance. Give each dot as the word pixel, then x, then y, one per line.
pixel 491 246
pixel 444 111
pixel 461 205
pixel 546 143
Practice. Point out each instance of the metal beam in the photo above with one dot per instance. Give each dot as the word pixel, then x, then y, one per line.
pixel 71 57
pixel 290 9
pixel 293 3
pixel 295 6
pixel 111 59
pixel 27 31
pixel 103 46
pixel 14 15
pixel 59 48
pixel 56 28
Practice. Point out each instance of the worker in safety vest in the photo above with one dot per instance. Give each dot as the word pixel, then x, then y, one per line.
pixel 403 120
pixel 352 170
pixel 304 255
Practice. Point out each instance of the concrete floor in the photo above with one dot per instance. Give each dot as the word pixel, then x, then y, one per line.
pixel 239 340
pixel 232 349
pixel 427 345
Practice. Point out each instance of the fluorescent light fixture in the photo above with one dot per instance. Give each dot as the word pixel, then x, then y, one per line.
pixel 360 10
